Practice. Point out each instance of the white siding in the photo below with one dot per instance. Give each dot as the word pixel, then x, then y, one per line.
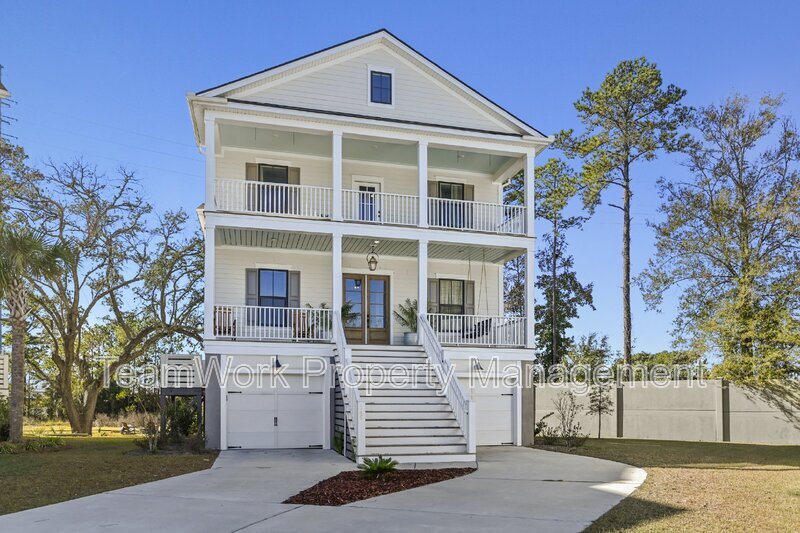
pixel 315 277
pixel 343 87
pixel 317 171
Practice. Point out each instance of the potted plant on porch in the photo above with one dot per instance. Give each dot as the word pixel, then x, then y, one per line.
pixel 406 316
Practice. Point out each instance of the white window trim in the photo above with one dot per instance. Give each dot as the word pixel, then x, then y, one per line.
pixel 385 70
pixel 457 277
pixel 357 180
pixel 272 266
pixel 274 162
pixel 452 179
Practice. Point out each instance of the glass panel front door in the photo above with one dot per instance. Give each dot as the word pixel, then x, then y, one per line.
pixel 368 202
pixel 366 309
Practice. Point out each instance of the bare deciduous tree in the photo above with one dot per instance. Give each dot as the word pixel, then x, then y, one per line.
pixel 139 274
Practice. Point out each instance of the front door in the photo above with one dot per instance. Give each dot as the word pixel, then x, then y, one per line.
pixel 273 198
pixel 367 309
pixel 451 212
pixel 368 201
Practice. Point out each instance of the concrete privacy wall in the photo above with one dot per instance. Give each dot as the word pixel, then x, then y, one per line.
pixel 684 410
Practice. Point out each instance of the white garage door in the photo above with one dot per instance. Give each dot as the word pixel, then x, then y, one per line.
pixel 276 417
pixel 495 416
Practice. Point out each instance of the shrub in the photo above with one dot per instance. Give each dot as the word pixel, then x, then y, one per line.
pixel 541 425
pixel 148 424
pixel 194 443
pixel 377 467
pixel 32 445
pixel 181 421
pixel 568 432
pixel 338 442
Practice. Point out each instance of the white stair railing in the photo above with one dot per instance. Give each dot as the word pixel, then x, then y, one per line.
pixel 293 324
pixel 278 199
pixel 479 330
pixel 463 408
pixel 355 409
pixel 380 207
pixel 476 216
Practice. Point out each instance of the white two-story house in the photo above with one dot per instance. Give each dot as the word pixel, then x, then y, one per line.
pixel 339 186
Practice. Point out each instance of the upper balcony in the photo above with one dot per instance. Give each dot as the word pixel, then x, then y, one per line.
pixel 307 201
pixel 312 175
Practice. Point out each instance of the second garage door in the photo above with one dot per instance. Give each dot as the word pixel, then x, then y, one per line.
pixel 495 412
pixel 276 417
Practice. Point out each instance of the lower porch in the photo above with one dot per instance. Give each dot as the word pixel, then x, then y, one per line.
pixel 284 287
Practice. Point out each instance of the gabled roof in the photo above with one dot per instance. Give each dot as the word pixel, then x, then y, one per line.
pixel 232 87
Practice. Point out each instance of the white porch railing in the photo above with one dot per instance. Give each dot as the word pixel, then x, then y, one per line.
pixel 277 199
pixel 479 330
pixel 355 409
pixel 463 409
pixel 476 216
pixel 301 324
pixel 380 207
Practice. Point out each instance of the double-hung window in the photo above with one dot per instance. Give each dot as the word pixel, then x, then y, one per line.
pixel 380 87
pixel 273 291
pixel 451 296
pixel 273 288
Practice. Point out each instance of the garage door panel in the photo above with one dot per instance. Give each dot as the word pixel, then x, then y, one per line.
pixel 251 415
pixel 299 439
pixel 257 440
pixel 298 403
pixel 494 403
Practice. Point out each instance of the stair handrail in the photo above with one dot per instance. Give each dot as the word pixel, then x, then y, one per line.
pixel 463 408
pixel 353 404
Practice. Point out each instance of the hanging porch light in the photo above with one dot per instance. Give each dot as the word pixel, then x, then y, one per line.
pixel 372 258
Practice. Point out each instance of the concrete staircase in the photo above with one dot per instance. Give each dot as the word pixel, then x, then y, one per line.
pixel 409 421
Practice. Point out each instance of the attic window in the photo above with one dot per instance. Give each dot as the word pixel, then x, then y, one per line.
pixel 380 87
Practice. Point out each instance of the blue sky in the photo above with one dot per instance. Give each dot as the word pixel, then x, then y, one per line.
pixel 107 81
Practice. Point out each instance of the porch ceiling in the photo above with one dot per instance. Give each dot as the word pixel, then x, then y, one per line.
pixel 398 153
pixel 318 242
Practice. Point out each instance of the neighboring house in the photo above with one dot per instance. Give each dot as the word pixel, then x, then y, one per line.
pixel 344 183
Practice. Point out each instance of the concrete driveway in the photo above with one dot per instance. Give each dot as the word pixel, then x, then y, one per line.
pixel 515 489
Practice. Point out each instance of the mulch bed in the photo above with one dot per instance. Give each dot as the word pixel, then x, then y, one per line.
pixel 348 487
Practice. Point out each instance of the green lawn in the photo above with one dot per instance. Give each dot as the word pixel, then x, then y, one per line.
pixel 87 465
pixel 699 486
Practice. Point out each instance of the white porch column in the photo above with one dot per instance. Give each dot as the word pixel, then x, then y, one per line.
pixel 211 164
pixel 336 277
pixel 208 282
pixel 530 215
pixel 422 277
pixel 422 169
pixel 337 174
pixel 223 402
pixel 530 292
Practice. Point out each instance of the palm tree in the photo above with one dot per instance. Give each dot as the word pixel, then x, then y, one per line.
pixel 24 254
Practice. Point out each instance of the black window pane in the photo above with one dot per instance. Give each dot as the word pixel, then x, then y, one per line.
pixel 273 287
pixel 381 88
pixel 273 174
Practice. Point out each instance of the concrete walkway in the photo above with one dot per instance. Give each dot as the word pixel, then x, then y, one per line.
pixel 515 489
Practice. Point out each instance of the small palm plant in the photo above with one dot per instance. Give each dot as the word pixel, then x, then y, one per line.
pixel 377 467
pixel 406 316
